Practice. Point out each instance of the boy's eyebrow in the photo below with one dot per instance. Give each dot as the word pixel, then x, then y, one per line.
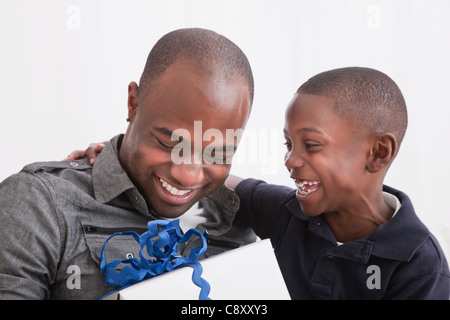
pixel 309 129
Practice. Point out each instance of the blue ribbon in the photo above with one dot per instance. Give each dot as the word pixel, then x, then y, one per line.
pixel 162 247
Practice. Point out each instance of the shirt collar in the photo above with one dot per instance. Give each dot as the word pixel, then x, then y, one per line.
pixel 399 237
pixel 396 239
pixel 109 178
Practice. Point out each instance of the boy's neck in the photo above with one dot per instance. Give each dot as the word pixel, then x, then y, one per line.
pixel 360 220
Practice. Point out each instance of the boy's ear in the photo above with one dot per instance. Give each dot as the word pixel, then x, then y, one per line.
pixel 382 153
pixel 132 100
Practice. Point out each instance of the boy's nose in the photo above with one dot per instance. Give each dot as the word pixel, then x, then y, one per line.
pixel 188 175
pixel 293 160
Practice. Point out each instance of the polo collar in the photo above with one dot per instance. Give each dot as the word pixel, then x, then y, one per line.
pixel 400 237
pixel 397 239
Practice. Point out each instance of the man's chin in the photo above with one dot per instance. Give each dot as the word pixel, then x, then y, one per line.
pixel 172 211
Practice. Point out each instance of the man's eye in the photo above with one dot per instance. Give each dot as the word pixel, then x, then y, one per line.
pixel 213 155
pixel 165 146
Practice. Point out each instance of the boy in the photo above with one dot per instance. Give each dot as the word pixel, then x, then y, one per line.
pixel 342 234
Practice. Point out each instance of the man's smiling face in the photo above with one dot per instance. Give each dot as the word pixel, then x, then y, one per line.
pixel 176 100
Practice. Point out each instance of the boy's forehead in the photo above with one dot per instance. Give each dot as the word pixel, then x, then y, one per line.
pixel 310 103
pixel 308 98
pixel 313 113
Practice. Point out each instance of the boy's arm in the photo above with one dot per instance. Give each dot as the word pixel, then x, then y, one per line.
pixel 260 207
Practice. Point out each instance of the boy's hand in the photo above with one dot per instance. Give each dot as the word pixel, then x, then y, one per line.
pixel 90 152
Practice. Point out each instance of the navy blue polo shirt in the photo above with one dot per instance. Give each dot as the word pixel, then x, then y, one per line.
pixel 400 260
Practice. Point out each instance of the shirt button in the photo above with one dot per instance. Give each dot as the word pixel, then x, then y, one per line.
pixel 129 255
pixel 73 164
pixel 231 200
pixel 137 199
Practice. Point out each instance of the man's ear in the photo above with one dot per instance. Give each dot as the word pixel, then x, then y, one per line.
pixel 132 100
pixel 382 153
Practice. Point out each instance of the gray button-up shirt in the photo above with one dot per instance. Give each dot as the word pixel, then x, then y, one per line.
pixel 55 217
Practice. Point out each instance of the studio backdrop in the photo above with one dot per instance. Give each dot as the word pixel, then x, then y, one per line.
pixel 65 66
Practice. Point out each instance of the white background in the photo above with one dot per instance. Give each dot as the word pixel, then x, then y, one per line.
pixel 65 66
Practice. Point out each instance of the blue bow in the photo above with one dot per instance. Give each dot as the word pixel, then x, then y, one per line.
pixel 162 252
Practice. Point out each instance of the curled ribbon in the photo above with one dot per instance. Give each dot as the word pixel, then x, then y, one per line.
pixel 161 247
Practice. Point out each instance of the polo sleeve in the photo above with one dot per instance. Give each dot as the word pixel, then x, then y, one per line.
pixel 30 241
pixel 434 286
pixel 425 277
pixel 261 207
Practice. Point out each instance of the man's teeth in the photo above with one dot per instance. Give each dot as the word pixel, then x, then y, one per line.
pixel 172 189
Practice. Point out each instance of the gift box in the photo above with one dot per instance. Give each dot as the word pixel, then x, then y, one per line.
pixel 250 272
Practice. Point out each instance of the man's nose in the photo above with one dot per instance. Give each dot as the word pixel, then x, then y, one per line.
pixel 188 175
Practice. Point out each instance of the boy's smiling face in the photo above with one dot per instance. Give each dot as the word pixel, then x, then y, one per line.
pixel 325 155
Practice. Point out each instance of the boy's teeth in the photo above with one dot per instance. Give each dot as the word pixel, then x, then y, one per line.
pixel 304 183
pixel 172 189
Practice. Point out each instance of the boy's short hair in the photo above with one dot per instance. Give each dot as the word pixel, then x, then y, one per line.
pixel 368 98
pixel 211 53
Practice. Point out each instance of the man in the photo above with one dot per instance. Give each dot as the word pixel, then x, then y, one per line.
pixel 55 216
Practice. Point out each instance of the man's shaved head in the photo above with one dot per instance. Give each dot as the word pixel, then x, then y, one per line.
pixel 209 52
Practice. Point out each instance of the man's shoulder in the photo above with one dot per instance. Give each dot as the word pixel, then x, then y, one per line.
pixel 54 166
pixel 58 177
pixel 42 172
pixel 71 171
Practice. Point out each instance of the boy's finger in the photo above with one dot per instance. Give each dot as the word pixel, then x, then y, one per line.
pixel 92 151
pixel 100 147
pixel 77 154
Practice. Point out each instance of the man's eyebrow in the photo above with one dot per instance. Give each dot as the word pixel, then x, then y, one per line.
pixel 229 148
pixel 164 131
pixel 167 132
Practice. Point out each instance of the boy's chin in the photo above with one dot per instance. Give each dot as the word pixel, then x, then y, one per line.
pixel 309 211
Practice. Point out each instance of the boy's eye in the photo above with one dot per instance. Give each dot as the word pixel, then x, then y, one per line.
pixel 309 145
pixel 288 145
